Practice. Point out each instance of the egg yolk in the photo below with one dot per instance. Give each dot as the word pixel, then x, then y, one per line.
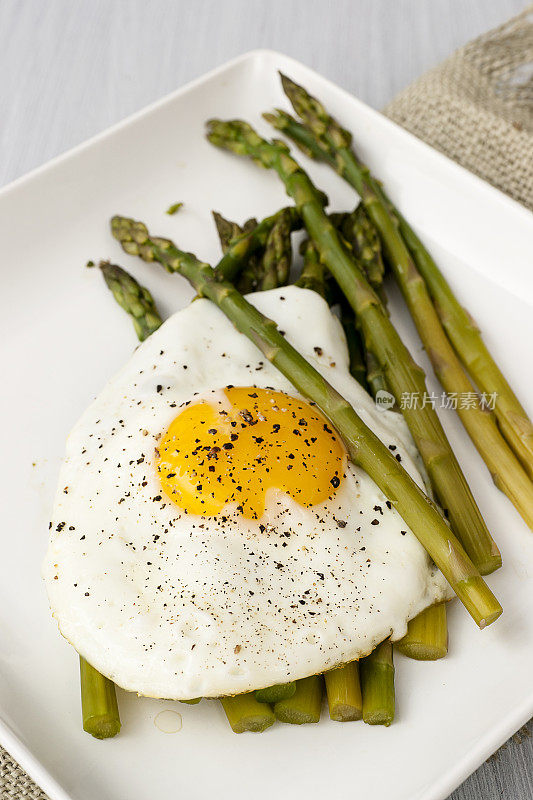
pixel 243 441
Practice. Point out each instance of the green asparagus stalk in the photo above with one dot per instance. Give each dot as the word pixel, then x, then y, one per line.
pixel 249 274
pixel 250 241
pixel 466 337
pixel 427 635
pixel 228 230
pixel 364 447
pixel 362 237
pixel 359 234
pixel 403 376
pixel 98 703
pixel 133 298
pixel 374 375
pixel 416 272
pixel 305 705
pixel 273 694
pixel 245 713
pixel 358 368
pixel 277 257
pixel 313 275
pixel 343 690
pixel 377 684
pixel 269 264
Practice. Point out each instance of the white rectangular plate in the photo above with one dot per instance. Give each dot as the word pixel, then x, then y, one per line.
pixel 64 337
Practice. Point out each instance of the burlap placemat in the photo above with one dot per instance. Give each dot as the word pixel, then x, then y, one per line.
pixel 477 107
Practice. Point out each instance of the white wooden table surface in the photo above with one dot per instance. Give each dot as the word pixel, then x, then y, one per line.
pixel 71 68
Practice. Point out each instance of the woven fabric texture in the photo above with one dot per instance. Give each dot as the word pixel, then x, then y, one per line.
pixel 14 783
pixel 477 107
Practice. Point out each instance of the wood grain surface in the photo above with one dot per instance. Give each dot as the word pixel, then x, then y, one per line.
pixel 71 68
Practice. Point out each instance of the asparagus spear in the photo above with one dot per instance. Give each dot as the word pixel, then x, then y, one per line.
pixel 228 230
pixel 333 144
pixel 98 703
pixel 305 704
pixel 134 298
pixel 402 374
pixel 377 683
pixel 249 275
pixel 342 684
pixel 467 340
pixel 358 368
pixel 359 232
pixel 374 375
pixel 427 635
pixel 241 248
pixel 245 713
pixel 273 694
pixel 429 630
pixel 364 447
pixel 343 690
pixel 270 252
pixel 278 252
pixel 312 275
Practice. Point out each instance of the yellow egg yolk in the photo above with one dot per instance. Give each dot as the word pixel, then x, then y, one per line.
pixel 242 441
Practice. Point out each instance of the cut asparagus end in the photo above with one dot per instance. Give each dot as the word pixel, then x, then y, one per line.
pixel 377 683
pixel 98 703
pixel 343 691
pixel 427 635
pixel 305 705
pixel 273 694
pixel 479 601
pixel 245 713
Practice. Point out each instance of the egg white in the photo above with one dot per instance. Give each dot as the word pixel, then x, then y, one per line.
pixel 179 606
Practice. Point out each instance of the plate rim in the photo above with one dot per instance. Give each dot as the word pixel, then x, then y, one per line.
pixel 494 737
pixel 272 55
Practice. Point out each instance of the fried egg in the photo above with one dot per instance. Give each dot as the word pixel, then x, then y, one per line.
pixel 209 535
